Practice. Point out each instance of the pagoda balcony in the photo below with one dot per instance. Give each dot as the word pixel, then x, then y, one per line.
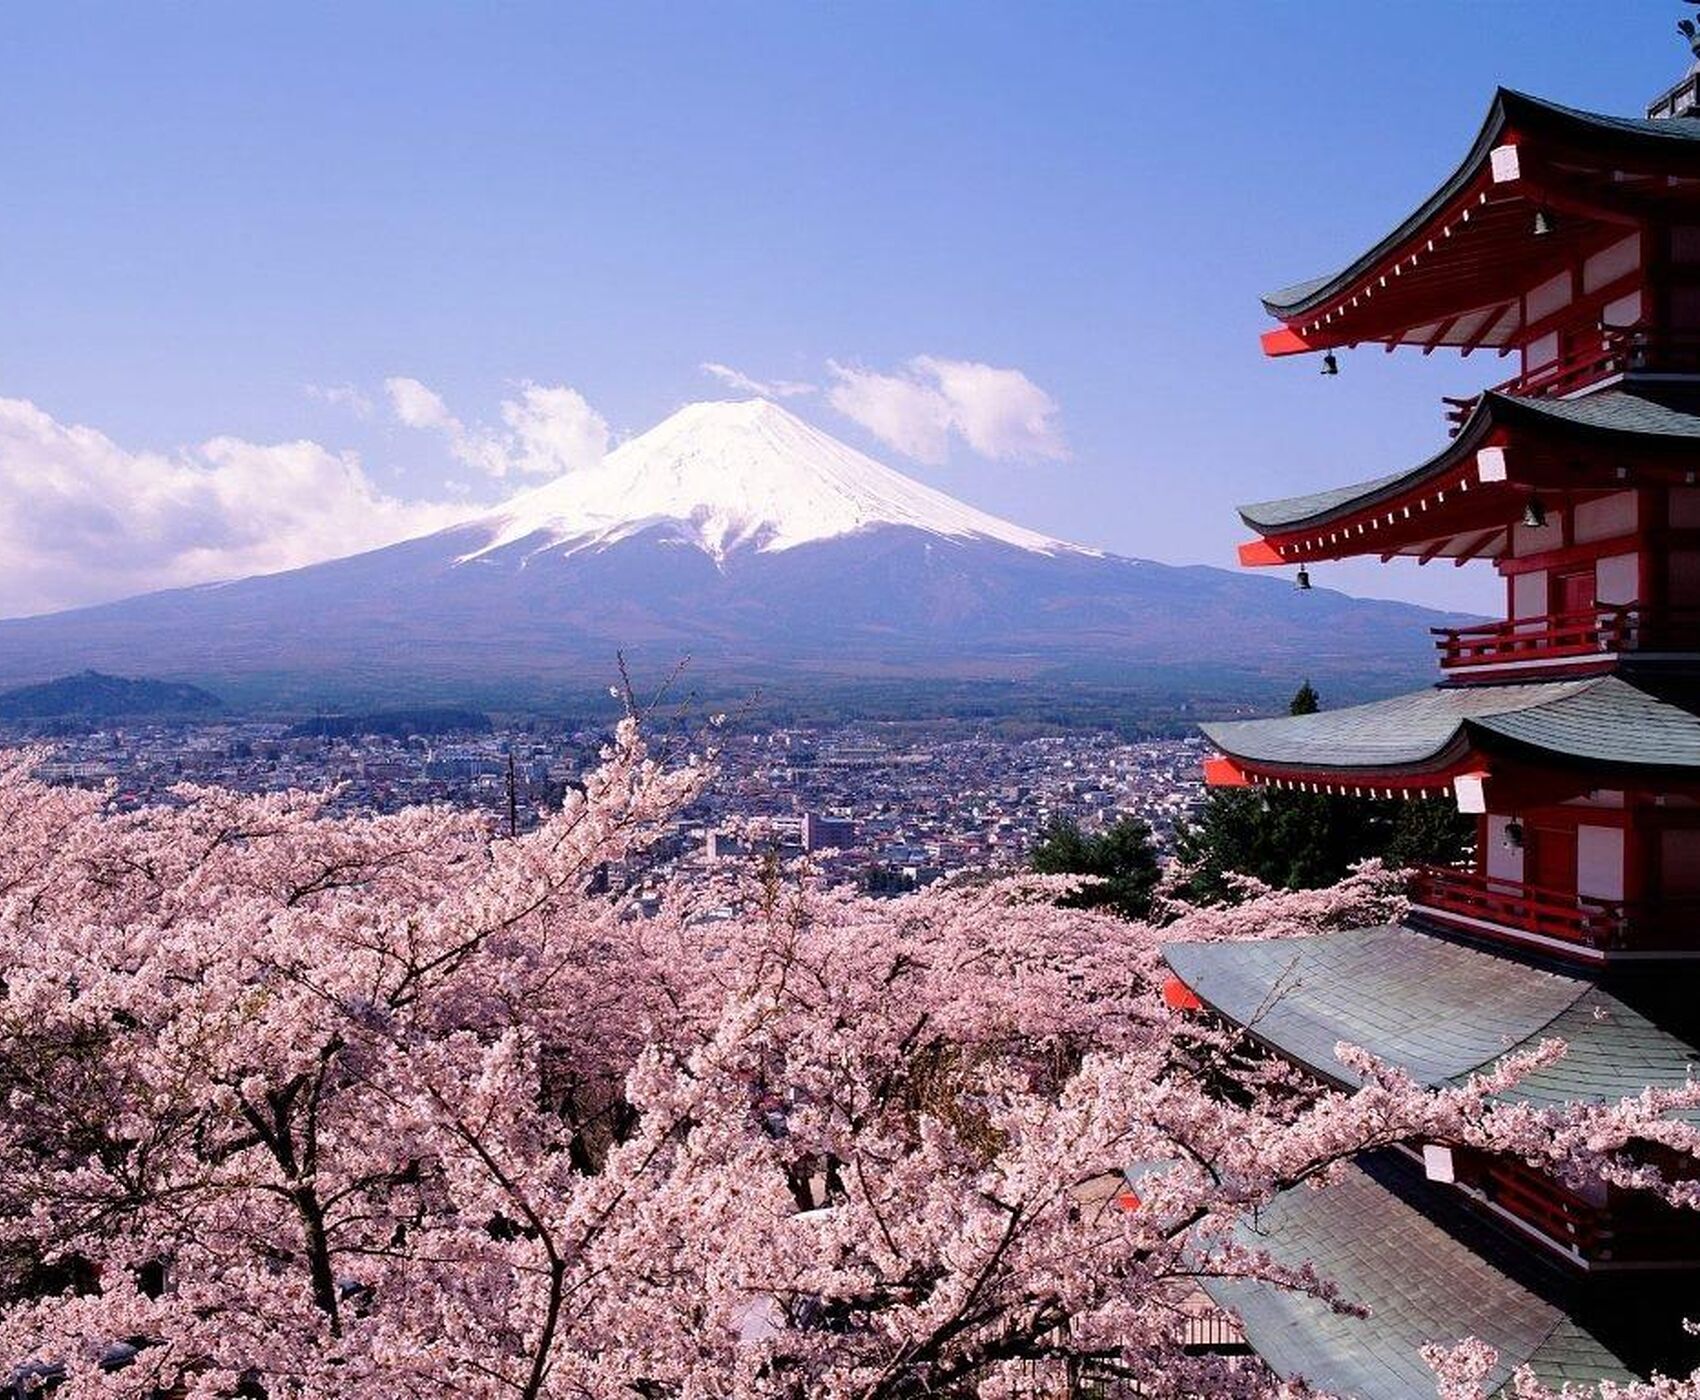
pixel 1568 640
pixel 1587 928
pixel 1623 1229
pixel 1513 907
pixel 1614 355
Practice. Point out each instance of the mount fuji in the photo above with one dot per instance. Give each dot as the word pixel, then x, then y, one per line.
pixel 764 549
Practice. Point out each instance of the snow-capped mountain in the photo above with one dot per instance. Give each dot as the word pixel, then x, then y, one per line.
pixel 762 548
pixel 731 476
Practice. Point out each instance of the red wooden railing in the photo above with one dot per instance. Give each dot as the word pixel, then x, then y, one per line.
pixel 1601 630
pixel 1537 1200
pixel 1624 1228
pixel 1650 925
pixel 1613 352
pixel 1517 906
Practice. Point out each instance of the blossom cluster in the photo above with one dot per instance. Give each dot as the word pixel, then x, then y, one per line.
pixel 303 1105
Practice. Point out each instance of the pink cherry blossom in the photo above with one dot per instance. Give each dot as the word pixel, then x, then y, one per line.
pixel 367 1107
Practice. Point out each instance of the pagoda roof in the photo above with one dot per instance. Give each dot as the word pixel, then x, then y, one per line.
pixel 1374 1237
pixel 1564 143
pixel 1615 422
pixel 1617 419
pixel 1597 721
pixel 1439 1010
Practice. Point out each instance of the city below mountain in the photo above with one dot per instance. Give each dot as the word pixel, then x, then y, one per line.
pixel 763 549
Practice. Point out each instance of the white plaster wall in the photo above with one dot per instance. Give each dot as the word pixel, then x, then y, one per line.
pixel 1605 518
pixel 1526 539
pixel 1599 861
pixel 1503 862
pixel 1541 352
pixel 1625 311
pixel 1529 594
pixel 1617 578
pixel 1609 264
pixel 1547 298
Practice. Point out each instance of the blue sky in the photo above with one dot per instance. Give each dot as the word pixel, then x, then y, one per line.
pixel 225 227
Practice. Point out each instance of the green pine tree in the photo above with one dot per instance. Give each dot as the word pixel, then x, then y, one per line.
pixel 1305 840
pixel 1121 855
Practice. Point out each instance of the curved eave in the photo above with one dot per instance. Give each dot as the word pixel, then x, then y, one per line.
pixel 1438 1009
pixel 1514 119
pixel 1339 780
pixel 1294 302
pixel 1421 1270
pixel 1459 496
pixel 1296 514
pixel 1426 741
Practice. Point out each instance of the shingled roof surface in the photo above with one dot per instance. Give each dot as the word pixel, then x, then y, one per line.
pixel 1633 414
pixel 1529 115
pixel 1603 719
pixel 1420 1283
pixel 1437 1009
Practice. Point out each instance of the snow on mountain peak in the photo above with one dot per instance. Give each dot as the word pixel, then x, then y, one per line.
pixel 740 474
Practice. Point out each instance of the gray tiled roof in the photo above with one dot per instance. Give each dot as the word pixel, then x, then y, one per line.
pixel 1604 719
pixel 1613 413
pixel 1420 1285
pixel 1531 116
pixel 1319 506
pixel 1639 411
pixel 1439 1010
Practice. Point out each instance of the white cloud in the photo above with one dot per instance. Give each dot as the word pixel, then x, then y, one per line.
pixel 417 406
pixel 551 429
pixel 83 519
pixel 761 388
pixel 341 396
pixel 998 413
pixel 900 411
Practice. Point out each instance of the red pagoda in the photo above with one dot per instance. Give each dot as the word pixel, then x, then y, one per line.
pixel 1570 242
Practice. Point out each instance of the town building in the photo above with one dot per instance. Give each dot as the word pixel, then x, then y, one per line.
pixel 1570 728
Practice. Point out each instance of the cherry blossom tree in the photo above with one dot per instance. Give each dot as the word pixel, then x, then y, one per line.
pixel 303 1105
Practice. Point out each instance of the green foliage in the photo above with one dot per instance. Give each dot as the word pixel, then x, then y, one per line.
pixel 1121 856
pixel 1429 833
pixel 1304 840
pixel 880 879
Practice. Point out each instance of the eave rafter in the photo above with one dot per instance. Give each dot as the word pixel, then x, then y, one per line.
pixel 1500 534
pixel 1463 503
pixel 1224 771
pixel 1475 773
pixel 1593 178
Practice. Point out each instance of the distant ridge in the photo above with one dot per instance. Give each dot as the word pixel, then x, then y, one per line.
pixel 769 553
pixel 92 695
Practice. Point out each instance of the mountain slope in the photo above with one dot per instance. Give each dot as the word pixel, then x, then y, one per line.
pixel 764 549
pixel 91 695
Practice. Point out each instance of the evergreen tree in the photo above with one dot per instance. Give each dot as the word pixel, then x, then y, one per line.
pixel 1121 856
pixel 1305 840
